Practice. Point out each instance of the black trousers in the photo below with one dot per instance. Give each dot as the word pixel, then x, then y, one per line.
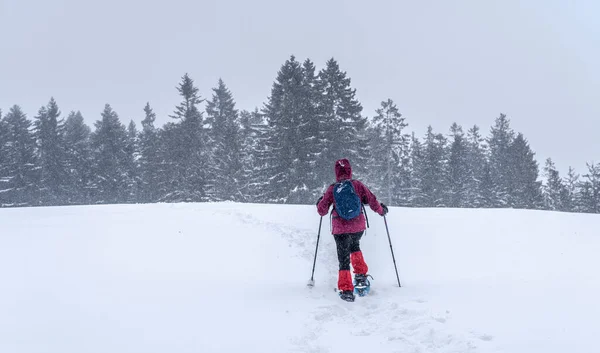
pixel 346 244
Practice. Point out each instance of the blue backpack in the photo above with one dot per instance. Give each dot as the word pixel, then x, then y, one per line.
pixel 347 202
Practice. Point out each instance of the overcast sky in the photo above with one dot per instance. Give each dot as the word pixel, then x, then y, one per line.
pixel 441 61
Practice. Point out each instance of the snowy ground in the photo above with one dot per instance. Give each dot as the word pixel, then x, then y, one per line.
pixel 232 278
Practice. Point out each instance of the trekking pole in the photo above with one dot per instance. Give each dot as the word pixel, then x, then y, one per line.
pixel 392 249
pixel 311 283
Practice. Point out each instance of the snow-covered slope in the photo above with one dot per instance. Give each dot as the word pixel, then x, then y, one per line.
pixel 232 278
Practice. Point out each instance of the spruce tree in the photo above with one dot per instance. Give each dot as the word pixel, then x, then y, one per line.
pixel 226 168
pixel 417 172
pixel 404 192
pixel 524 189
pixel 476 162
pixel 78 159
pixel 172 155
pixel 459 172
pixel 571 183
pixel 433 184
pixel 132 163
pixel 487 191
pixel 254 156
pixel 342 125
pixel 589 197
pixel 49 133
pixel 3 146
pixel 309 147
pixel 149 158
pixel 556 194
pixel 284 113
pixel 3 157
pixel 19 182
pixel 388 158
pixel 185 149
pixel 376 164
pixel 500 140
pixel 247 156
pixel 111 159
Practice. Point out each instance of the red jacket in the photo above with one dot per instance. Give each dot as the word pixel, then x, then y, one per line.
pixel 343 171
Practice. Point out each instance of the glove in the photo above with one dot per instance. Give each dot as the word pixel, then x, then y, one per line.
pixel 385 209
pixel 319 200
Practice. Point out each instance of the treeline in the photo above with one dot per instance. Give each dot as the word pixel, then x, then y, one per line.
pixel 281 153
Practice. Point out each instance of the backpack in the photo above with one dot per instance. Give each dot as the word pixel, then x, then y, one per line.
pixel 347 202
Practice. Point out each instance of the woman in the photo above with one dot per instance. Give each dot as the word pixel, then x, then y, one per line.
pixel 349 228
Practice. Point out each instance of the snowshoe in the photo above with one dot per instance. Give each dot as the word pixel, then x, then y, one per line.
pixel 362 286
pixel 347 295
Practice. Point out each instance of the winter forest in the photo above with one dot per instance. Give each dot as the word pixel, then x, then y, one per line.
pixel 282 152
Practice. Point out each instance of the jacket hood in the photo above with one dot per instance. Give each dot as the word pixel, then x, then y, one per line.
pixel 343 170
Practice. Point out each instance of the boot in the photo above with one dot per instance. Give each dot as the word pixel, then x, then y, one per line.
pixel 362 286
pixel 347 295
pixel 361 280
